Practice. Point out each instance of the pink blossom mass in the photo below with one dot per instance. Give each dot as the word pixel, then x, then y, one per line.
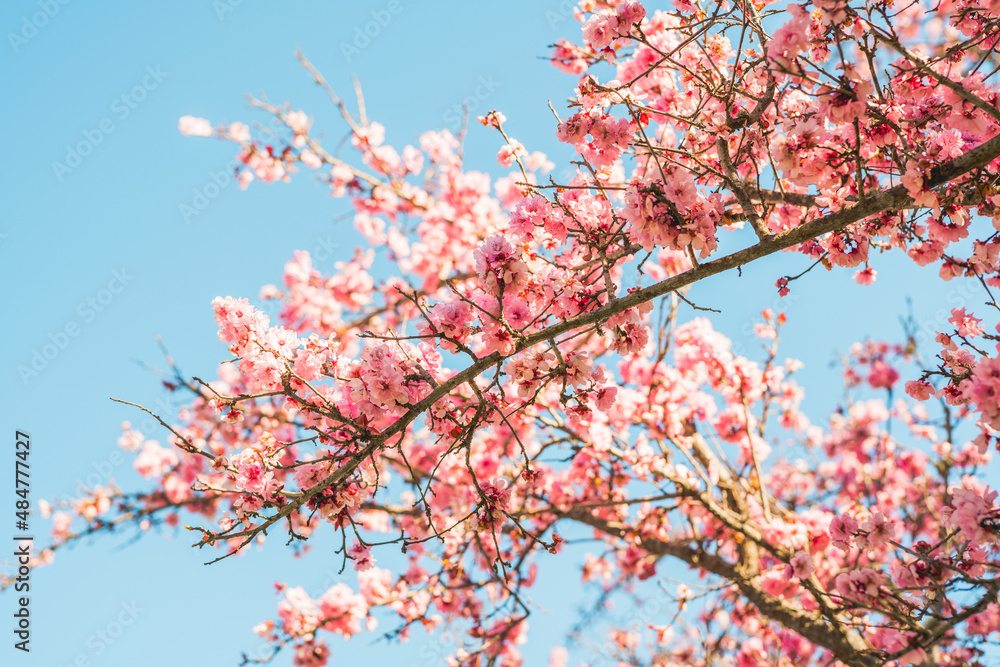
pixel 516 371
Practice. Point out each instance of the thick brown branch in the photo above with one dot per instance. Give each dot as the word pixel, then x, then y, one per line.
pixel 891 199
pixel 733 179
pixel 849 647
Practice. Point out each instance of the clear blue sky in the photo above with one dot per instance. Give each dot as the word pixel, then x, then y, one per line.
pixel 67 236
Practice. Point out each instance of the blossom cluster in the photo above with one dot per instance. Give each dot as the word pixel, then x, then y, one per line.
pixel 521 372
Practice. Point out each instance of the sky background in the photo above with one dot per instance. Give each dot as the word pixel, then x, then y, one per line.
pixel 113 220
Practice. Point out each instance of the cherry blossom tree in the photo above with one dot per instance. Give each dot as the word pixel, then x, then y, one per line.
pixel 535 366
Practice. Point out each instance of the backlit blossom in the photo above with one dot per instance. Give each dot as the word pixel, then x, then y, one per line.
pixel 192 126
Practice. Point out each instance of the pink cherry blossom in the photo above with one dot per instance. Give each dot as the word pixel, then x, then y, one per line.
pixel 510 364
pixel 842 531
pixel 363 560
pixel 191 126
pixel 801 566
pixel 966 325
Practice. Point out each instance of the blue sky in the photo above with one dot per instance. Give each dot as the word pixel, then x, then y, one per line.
pixel 98 246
